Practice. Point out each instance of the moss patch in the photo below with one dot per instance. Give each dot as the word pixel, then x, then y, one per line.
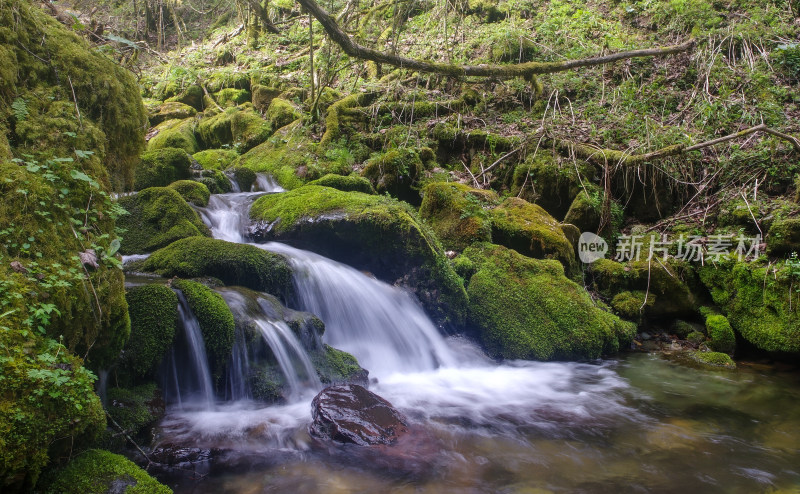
pixel 154 318
pixel 525 308
pixel 281 113
pixel 157 217
pixel 216 322
pixel 234 264
pixel 240 127
pixel 335 366
pixel 161 167
pixel 192 191
pixel 348 183
pixel 719 330
pixel 172 110
pixel 175 134
pixel 457 213
pixel 99 472
pixel 396 173
pixel 215 159
pixel 713 359
pixel 135 409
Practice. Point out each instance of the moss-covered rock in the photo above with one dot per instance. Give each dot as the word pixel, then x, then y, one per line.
pixel 375 233
pixel 234 264
pixel 632 304
pixel 670 287
pixel 722 337
pixel 173 110
pixel 286 156
pixel 154 318
pixel 192 96
pixel 531 231
pixel 135 409
pixel 175 134
pixel 232 97
pixel 192 191
pixel 157 217
pixel 346 183
pixel 544 180
pixel 586 212
pixel 216 322
pixel 713 360
pixel 335 367
pixel 755 299
pixel 281 112
pixel 244 178
pixel 523 308
pixel 263 96
pixel 215 159
pixel 161 167
pixel 458 213
pixel 784 237
pixel 102 472
pixel 240 127
pixel 396 173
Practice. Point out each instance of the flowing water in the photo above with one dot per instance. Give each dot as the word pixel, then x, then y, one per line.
pixel 636 424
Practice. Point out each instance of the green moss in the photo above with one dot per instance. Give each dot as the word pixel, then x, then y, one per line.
pixel 99 472
pixel 586 212
pixel 531 231
pixel 682 329
pixel 713 359
pixel 784 237
pixel 215 159
pixel 135 409
pixel 172 111
pixel 721 334
pixel 175 134
pixel 544 180
pixel 234 264
pixel 240 127
pixel 244 178
pixel 232 97
pixel 375 233
pixel 153 311
pixel 267 383
pixel 192 96
pixel 525 308
pixel 457 213
pixel 216 322
pixel 349 183
pixel 281 113
pixel 396 173
pixel 755 299
pixel 161 167
pixel 192 191
pixel 263 96
pixel 631 305
pixel 157 217
pixel 287 156
pixel 335 366
pixel 671 285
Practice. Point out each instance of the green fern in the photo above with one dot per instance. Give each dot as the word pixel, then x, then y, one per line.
pixel 20 109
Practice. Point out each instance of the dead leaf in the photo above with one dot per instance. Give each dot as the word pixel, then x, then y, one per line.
pixel 89 258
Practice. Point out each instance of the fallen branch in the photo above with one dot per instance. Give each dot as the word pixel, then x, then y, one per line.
pixel 525 70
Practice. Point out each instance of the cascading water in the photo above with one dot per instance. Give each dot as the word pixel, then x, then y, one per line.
pixel 193 388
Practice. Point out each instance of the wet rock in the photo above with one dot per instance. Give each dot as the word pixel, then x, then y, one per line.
pixel 352 414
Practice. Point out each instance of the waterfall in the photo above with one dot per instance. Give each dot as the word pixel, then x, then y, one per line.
pixel 195 387
pixel 383 326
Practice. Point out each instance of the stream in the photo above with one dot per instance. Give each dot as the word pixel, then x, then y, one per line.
pixel 637 423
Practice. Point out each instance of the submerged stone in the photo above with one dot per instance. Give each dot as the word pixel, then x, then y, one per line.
pixel 352 414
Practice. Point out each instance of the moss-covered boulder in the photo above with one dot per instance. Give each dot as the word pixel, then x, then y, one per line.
pixel 192 191
pixel 154 318
pixel 281 113
pixel 755 299
pixel 175 134
pixel 523 308
pixel 587 212
pixel 458 213
pixel 172 110
pixel 161 167
pixel 666 289
pixel 544 180
pixel 244 178
pixel 346 183
pixel 396 173
pixel 713 360
pixel 784 237
pixel 216 181
pixel 191 95
pixel 240 127
pixel 216 322
pixel 234 264
pixel 531 231
pixel 157 217
pixel 336 367
pixel 135 410
pixel 263 96
pixel 375 233
pixel 232 97
pixel 721 334
pixel 102 472
pixel 215 159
